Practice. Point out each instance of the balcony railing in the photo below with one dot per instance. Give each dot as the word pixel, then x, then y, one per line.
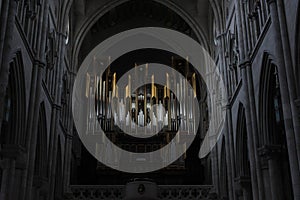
pixel 117 192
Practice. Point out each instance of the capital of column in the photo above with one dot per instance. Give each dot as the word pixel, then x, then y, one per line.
pixel 244 63
pixel 39 63
pixel 64 35
pixel 56 106
pixel 270 151
pixel 253 15
pixel 31 14
pixel 228 106
pixel 243 181
pixel 72 73
pixel 69 136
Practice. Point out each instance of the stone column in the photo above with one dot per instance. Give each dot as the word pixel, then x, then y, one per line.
pixel 243 185
pixel 69 141
pixel 39 188
pixel 10 154
pixel 34 130
pixel 250 110
pixel 286 100
pixel 259 15
pixel 247 192
pixel 19 170
pixel 67 164
pixel 290 73
pixel 34 104
pixel 56 117
pixel 215 169
pixel 230 173
pixel 266 178
pixel 254 124
pixel 272 155
pixel 252 31
pixel 229 144
pixel 53 149
pixel 244 29
pixel 249 127
pixel 30 119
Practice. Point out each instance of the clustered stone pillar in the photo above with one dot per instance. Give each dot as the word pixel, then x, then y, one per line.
pixel 229 146
pixel 287 102
pixel 215 170
pixel 251 144
pixel 290 74
pixel 36 87
pixel 250 111
pixel 69 142
pixel 56 117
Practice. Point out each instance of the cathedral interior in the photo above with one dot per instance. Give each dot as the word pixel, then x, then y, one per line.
pixel 241 107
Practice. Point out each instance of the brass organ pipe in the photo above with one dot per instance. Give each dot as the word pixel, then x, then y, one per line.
pixel 152 86
pixel 168 85
pixel 114 84
pixel 194 84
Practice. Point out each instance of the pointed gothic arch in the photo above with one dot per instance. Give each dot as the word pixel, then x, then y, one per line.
pixel 41 145
pixel 223 170
pixel 271 126
pixel 272 137
pixel 41 156
pixel 242 158
pixel 13 125
pixel 243 172
pixel 110 6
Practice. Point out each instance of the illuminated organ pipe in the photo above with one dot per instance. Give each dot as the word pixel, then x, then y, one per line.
pixel 141 119
pixel 174 109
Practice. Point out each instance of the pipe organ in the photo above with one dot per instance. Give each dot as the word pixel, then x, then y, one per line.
pixel 152 106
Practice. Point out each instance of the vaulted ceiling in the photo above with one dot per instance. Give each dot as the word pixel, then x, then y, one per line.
pixel 95 20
